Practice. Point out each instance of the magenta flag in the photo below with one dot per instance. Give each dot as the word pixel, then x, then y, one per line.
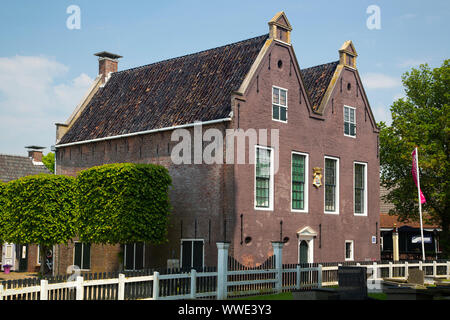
pixel 415 174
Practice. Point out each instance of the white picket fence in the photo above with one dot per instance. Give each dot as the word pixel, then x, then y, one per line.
pixel 41 291
pixel 223 283
pixel 392 270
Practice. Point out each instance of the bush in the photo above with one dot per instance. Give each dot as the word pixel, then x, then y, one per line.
pixel 38 209
pixel 123 203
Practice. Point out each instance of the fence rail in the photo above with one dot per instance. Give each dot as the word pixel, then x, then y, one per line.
pixel 209 283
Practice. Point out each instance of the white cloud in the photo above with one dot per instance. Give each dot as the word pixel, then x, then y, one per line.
pixel 382 113
pixel 33 96
pixel 70 94
pixel 379 81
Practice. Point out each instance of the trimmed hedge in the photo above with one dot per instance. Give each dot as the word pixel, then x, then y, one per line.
pixel 123 203
pixel 38 209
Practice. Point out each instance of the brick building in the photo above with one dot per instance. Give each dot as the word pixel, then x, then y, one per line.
pixel 311 182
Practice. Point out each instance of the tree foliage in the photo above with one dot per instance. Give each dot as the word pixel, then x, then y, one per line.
pixel 420 119
pixel 123 203
pixel 38 209
pixel 49 161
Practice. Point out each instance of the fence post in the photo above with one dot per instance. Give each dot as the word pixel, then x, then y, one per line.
pixel 278 253
pixel 1 292
pixel 44 289
pixel 319 278
pixel 121 287
pixel 375 271
pixel 420 265
pixel 391 270
pixel 406 270
pixel 434 268
pixel 193 283
pixel 297 283
pixel 79 286
pixel 448 269
pixel 155 285
pixel 222 266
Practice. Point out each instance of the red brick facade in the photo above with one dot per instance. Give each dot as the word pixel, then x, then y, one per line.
pixel 318 137
pixel 208 200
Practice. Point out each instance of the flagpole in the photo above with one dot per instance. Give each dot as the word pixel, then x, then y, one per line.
pixel 420 205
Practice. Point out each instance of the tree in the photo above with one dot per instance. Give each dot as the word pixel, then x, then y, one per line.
pixel 421 119
pixel 38 210
pixel 123 203
pixel 49 161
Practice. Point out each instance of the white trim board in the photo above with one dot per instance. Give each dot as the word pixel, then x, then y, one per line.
pixel 189 125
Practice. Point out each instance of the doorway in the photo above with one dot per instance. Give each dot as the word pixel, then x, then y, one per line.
pixel 23 258
pixel 303 252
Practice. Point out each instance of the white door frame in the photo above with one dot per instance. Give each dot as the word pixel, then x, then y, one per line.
pixel 9 260
pixel 306 234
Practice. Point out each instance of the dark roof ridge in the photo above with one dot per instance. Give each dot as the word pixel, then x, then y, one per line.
pixel 14 155
pixel 320 65
pixel 191 54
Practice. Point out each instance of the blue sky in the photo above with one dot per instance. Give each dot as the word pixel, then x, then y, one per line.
pixel 45 68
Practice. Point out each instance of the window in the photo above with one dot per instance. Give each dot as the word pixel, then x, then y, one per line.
pixel 279 104
pixel 299 197
pixel 349 121
pixel 348 250
pixel 82 255
pixel 192 254
pixel 134 255
pixel 331 185
pixel 350 60
pixel 360 186
pixel 263 179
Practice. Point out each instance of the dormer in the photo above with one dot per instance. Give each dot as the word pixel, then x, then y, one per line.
pixel 280 28
pixel 347 55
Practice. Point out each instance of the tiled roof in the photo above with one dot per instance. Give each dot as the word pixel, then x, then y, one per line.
pixel 15 167
pixel 387 221
pixel 317 79
pixel 195 87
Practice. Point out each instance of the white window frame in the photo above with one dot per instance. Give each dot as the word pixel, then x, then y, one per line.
pixel 134 260
pixel 352 250
pixel 306 189
pixel 82 249
pixel 279 105
pixel 192 251
pixel 271 182
pixel 336 211
pixel 354 109
pixel 364 214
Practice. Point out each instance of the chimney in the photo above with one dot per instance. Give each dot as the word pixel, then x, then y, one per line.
pixel 35 153
pixel 280 28
pixel 107 63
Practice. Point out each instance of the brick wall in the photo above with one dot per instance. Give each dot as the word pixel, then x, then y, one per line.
pixel 199 196
pixel 318 138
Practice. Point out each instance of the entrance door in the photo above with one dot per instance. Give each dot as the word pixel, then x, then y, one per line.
pixel 303 254
pixel 23 258
pixel 8 255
